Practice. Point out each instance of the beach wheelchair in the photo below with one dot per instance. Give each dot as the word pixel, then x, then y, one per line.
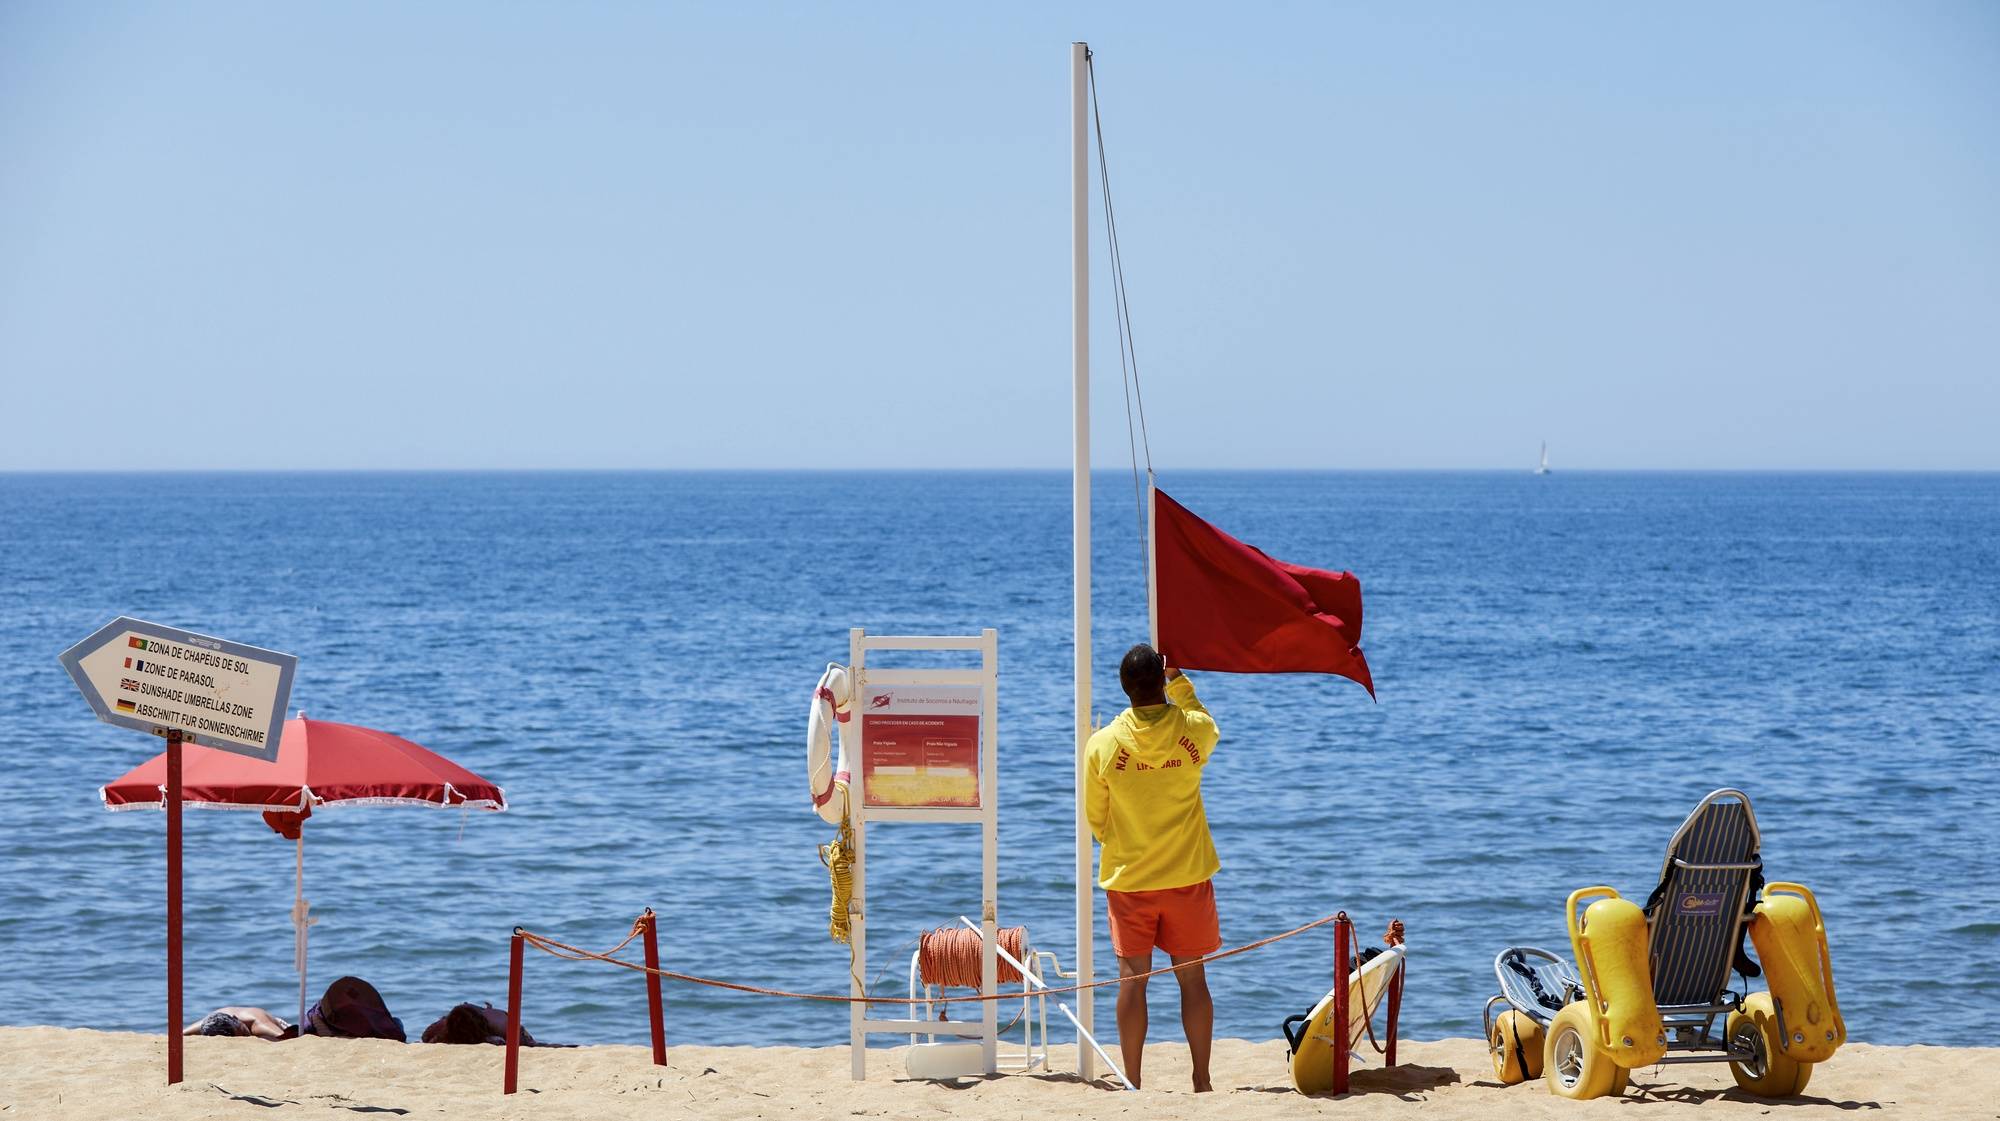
pixel 1651 984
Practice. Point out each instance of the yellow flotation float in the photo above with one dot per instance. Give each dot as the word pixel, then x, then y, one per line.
pixel 1797 1023
pixel 1593 1042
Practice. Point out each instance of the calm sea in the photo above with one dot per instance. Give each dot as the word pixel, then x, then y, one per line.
pixel 1566 664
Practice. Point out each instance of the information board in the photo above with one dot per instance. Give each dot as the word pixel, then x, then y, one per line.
pixel 920 746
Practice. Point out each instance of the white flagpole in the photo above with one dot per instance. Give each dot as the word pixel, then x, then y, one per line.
pixel 1079 232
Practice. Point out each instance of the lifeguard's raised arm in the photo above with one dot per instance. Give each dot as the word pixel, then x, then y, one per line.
pixel 1201 726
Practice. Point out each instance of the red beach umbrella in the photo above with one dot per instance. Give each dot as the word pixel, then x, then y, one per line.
pixel 320 764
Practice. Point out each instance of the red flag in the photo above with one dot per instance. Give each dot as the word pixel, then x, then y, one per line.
pixel 1224 605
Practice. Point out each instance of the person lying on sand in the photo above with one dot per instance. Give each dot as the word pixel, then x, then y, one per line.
pixel 1143 799
pixel 352 1009
pixel 473 1023
pixel 242 1021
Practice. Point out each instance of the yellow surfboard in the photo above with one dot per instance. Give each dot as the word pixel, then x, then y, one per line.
pixel 1367 995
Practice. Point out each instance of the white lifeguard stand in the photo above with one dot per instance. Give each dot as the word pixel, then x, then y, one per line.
pixel 918 726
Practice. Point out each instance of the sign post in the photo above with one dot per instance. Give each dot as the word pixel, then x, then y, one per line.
pixel 929 752
pixel 190 688
pixel 174 908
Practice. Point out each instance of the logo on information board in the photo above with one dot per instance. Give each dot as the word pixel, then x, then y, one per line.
pixel 880 700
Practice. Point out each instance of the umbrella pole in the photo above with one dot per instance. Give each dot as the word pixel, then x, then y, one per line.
pixel 299 917
pixel 173 908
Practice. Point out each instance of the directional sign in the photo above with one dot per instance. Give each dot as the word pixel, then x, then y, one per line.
pixel 159 679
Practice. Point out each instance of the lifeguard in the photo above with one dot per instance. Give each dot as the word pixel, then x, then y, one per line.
pixel 1144 803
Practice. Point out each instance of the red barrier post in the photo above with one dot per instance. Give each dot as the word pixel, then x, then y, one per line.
pixel 173 908
pixel 653 1007
pixel 1343 934
pixel 514 1014
pixel 1395 1007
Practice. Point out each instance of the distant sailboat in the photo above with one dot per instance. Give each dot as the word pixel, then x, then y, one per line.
pixel 1544 468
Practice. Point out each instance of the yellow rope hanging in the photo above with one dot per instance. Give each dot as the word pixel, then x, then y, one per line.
pixel 838 856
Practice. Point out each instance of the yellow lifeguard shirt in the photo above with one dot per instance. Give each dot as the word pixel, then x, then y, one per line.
pixel 1142 794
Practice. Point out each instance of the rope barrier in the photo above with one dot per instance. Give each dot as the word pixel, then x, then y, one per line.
pixel 568 952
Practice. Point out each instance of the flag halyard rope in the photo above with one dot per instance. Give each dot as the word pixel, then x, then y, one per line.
pixel 1128 348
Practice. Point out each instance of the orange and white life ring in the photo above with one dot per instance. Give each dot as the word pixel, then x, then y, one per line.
pixel 826 776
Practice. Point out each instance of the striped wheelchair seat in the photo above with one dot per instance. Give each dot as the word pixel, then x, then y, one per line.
pixel 1696 911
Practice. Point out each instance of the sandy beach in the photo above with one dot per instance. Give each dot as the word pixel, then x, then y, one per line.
pixel 58 1072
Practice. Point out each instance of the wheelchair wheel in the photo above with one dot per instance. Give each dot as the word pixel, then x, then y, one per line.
pixel 1571 1063
pixel 1768 1073
pixel 1516 1046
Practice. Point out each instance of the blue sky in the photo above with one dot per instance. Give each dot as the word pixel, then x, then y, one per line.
pixel 1384 236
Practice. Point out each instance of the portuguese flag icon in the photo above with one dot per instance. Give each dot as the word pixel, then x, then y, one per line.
pixel 136 643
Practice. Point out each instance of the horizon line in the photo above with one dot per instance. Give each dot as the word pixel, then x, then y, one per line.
pixel 965 470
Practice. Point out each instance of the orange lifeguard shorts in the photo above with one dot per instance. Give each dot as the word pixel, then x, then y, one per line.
pixel 1179 920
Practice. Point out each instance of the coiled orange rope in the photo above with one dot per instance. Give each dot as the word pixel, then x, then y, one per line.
pixel 574 953
pixel 951 955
